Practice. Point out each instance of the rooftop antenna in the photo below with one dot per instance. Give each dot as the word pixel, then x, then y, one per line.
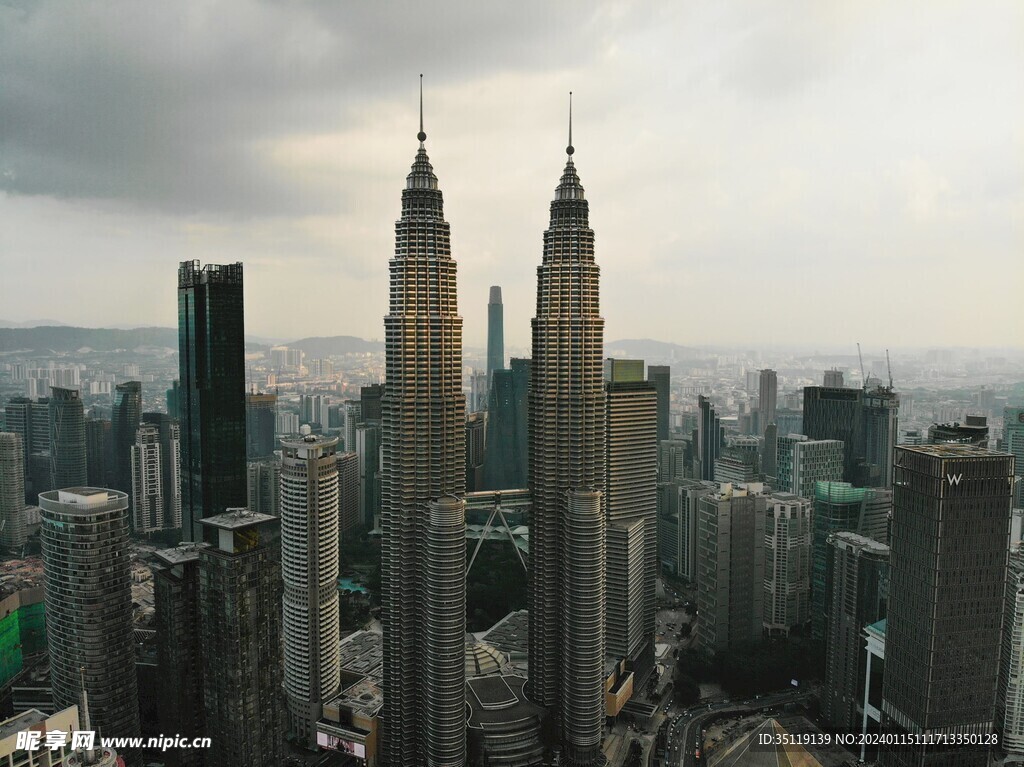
pixel 863 378
pixel 90 753
pixel 888 365
pixel 569 149
pixel 421 135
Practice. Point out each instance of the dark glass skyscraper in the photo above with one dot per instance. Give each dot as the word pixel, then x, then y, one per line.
pixel 505 462
pixel 124 422
pixel 423 483
pixel 661 377
pixel 260 424
pixel 68 466
pixel 567 468
pixel 709 439
pixel 211 399
pixel 836 414
pixel 950 528
pixel 495 334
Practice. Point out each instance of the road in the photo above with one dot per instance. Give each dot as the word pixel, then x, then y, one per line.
pixel 686 728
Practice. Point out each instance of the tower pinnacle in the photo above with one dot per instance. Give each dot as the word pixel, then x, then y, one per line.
pixel 421 135
pixel 569 149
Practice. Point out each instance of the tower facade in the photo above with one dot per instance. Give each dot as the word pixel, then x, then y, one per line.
pixel 709 439
pixel 566 477
pixel 1013 436
pixel 89 605
pixel 881 427
pixel 661 377
pixel 260 423
pixel 950 527
pixel 787 563
pixel 68 467
pixel 495 333
pixel 309 552
pixel 12 491
pixel 835 413
pixel 125 418
pixel 423 414
pixel 768 392
pixel 211 397
pixel 155 461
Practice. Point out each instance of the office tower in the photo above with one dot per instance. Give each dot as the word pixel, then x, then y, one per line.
pixel 240 637
pixel 972 431
pixel 495 332
pixel 661 377
pixel 370 402
pixel 18 420
pixel 752 380
pixel 950 525
pixel 368 438
pixel 566 478
pixel 353 416
pixel 730 566
pixel 424 462
pixel 479 387
pixel 859 582
pixel 770 453
pixel 505 462
pixel 833 379
pixel 881 426
pixel 97 451
pixel 737 467
pixel 156 474
pixel 124 423
pixel 313 409
pixel 675 457
pixel 260 423
pixel 841 507
pixel 263 481
pixel 348 493
pixel 677 525
pixel 173 397
pixel 836 414
pixel 1010 698
pixel 179 652
pixel 801 462
pixel 768 391
pixel 709 439
pixel 287 423
pixel 789 421
pixel 309 553
pixel 12 491
pixel 1013 442
pixel 68 466
pixel 89 605
pixel 476 450
pixel 211 358
pixel 631 504
pixel 787 563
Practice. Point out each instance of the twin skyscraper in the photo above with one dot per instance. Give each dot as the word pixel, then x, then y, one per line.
pixel 424 483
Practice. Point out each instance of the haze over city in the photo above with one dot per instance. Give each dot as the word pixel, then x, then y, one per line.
pixel 759 174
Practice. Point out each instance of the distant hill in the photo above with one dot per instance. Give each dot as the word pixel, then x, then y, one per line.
pixel 328 346
pixel 65 338
pixel 30 324
pixel 649 350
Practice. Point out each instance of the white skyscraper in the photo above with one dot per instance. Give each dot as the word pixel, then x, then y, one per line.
pixel 309 552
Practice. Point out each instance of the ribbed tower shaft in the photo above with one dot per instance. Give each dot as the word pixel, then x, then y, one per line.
pixel 567 446
pixel 424 458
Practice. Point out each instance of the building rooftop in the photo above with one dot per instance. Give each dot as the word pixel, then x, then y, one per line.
pixel 498 700
pixel 363 653
pixel 237 519
pixel 364 697
pixel 510 634
pixel 184 552
pixel 953 450
pixel 20 722
pixel 862 541
pixel 877 628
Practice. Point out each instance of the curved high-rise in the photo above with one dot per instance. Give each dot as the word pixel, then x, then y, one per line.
pixel 68 466
pixel 309 558
pixel 424 459
pixel 89 605
pixel 567 453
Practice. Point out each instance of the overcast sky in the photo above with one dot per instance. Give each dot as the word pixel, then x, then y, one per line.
pixel 759 173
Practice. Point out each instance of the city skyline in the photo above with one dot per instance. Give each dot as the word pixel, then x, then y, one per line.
pixel 837 148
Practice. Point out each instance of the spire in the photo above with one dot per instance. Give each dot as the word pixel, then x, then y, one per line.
pixel 421 135
pixel 569 149
pixel 89 754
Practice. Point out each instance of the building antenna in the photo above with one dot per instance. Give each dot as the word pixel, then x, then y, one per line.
pixel 569 149
pixel 421 135
pixel 888 365
pixel 863 378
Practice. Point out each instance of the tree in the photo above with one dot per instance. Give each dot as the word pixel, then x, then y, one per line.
pixel 687 690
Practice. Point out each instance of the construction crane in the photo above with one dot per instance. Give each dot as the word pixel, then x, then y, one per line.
pixel 863 378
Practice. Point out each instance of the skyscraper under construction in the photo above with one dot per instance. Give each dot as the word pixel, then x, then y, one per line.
pixel 567 477
pixel 423 483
